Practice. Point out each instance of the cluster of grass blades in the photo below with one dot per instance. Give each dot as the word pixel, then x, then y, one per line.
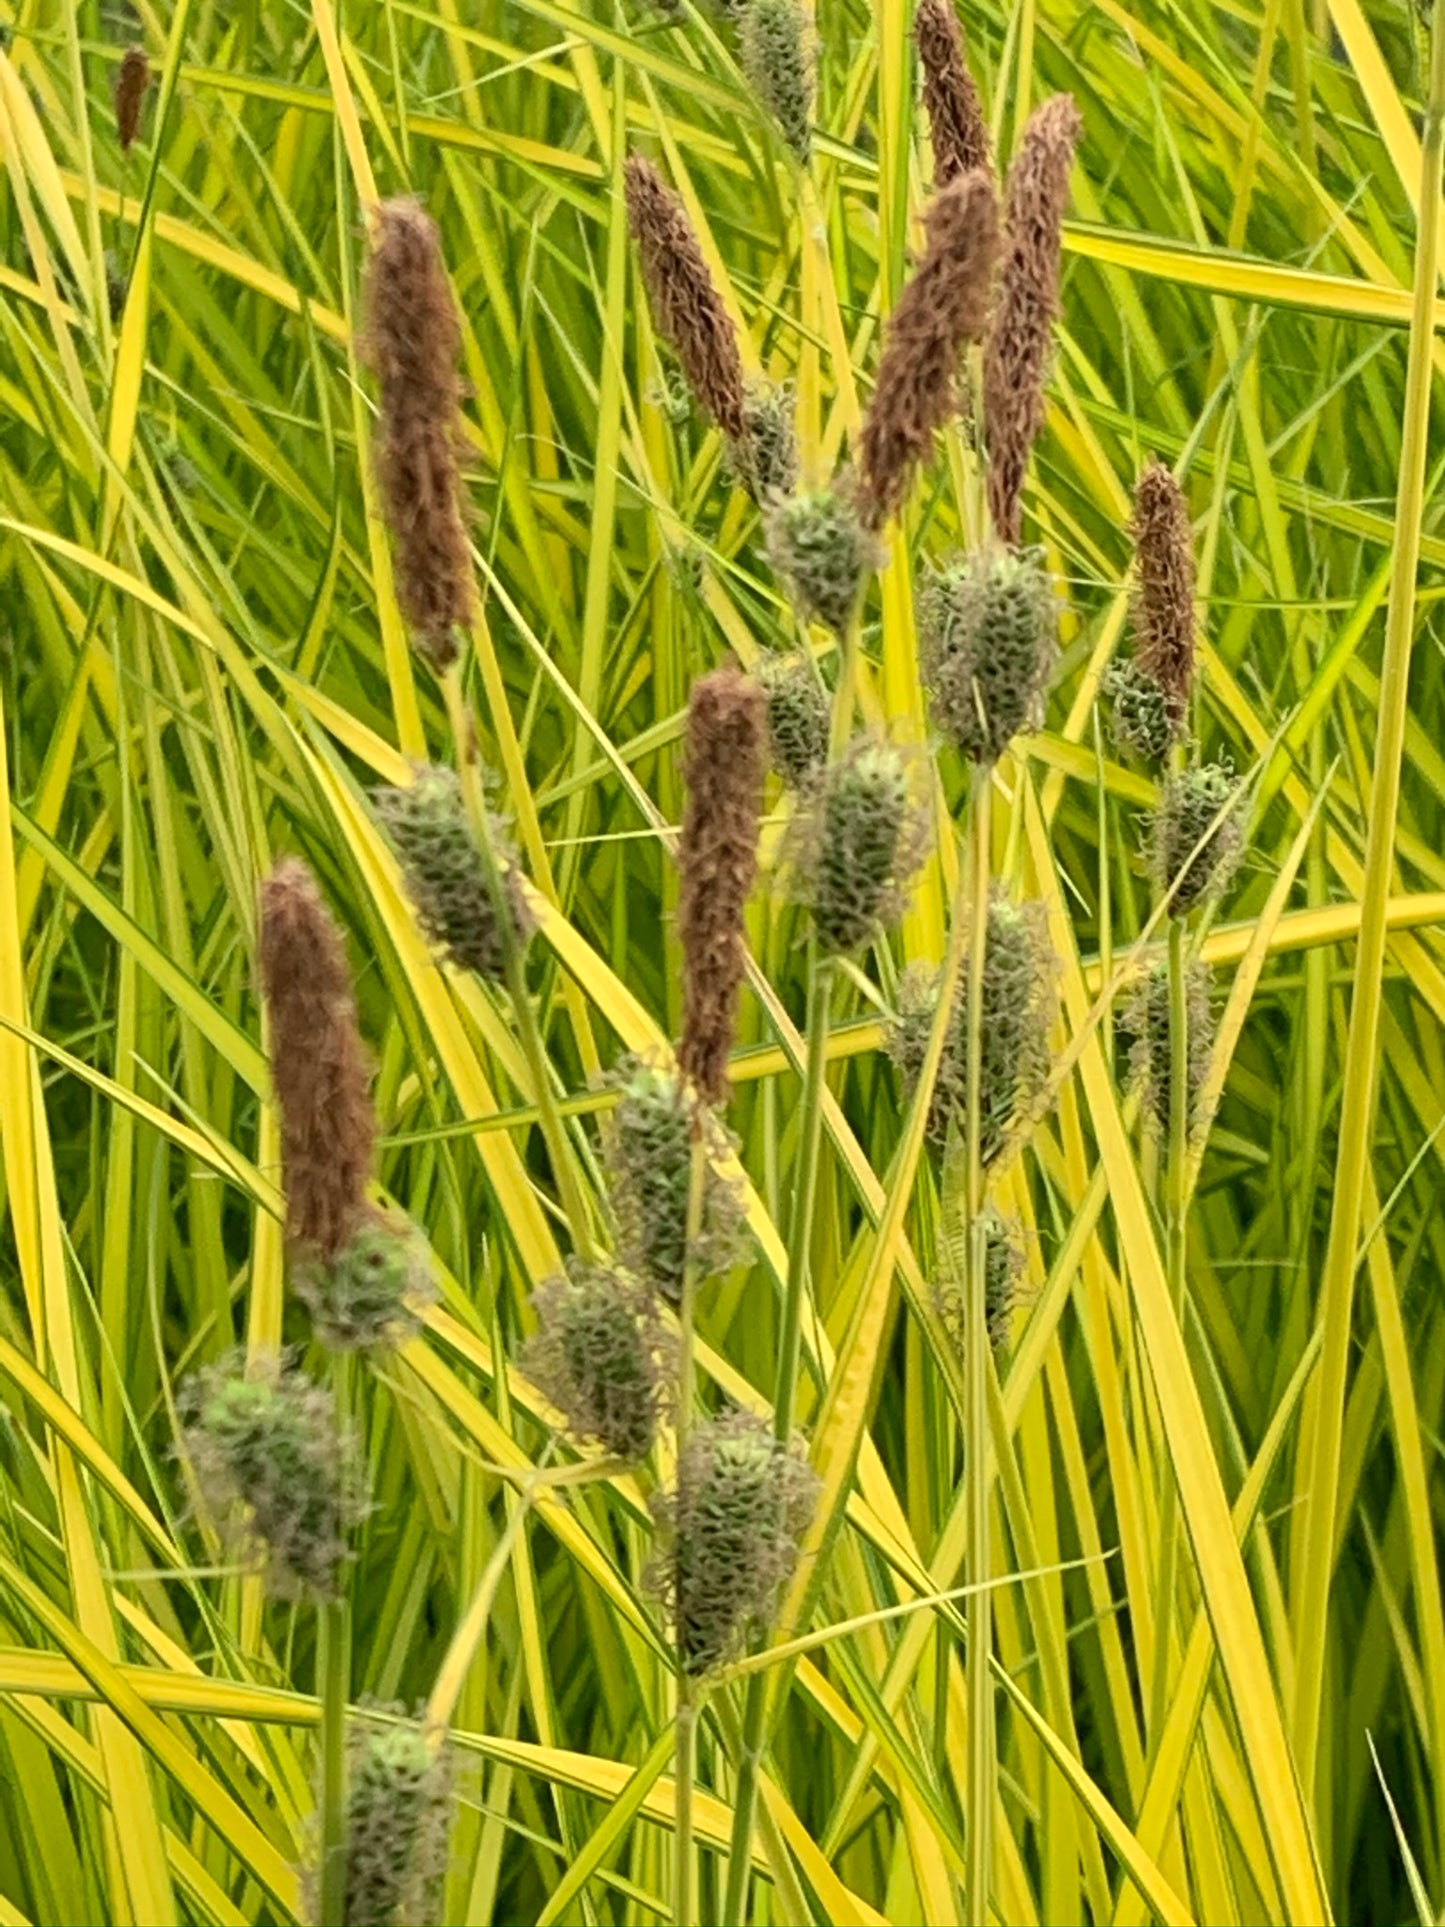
pixel 1210 1684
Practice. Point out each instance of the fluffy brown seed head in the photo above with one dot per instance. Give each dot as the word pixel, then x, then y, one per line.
pixel 942 308
pixel 727 722
pixel 686 307
pixel 412 339
pixel 130 92
pixel 1164 591
pixel 955 113
pixel 1016 355
pixel 318 1066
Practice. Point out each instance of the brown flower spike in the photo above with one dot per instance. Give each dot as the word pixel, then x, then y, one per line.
pixel 686 307
pixel 130 92
pixel 942 308
pixel 318 1066
pixel 1016 355
pixel 1164 593
pixel 412 339
pixel 955 115
pixel 726 754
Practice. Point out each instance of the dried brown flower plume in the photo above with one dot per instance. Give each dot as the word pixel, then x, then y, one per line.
pixel 1164 596
pixel 686 307
pixel 942 308
pixel 955 114
pixel 1017 352
pixel 727 721
pixel 130 92
pixel 412 340
pixel 318 1066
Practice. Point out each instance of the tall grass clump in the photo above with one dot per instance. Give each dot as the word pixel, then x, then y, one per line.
pixel 720 964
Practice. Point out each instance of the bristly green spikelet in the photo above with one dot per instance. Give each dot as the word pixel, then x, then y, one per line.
pixel 856 844
pixel 1003 1264
pixel 1014 1064
pixel 427 823
pixel 797 718
pixel 776 54
pixel 650 1153
pixel 765 460
pixel 270 1440
pixel 1198 836
pixel 824 554
pixel 598 1356
pixel 1144 1028
pixel 730 1535
pixel 371 1292
pixel 1138 714
pixel 987 626
pixel 398 1815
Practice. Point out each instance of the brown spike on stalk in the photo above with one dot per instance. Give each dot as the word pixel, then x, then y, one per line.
pixel 941 309
pixel 318 1066
pixel 955 114
pixel 412 340
pixel 1164 596
pixel 130 92
pixel 686 306
pixel 726 752
pixel 1016 355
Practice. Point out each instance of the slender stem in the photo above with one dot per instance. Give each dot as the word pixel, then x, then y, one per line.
pixel 684 1891
pixel 1176 1220
pixel 1319 1487
pixel 841 722
pixel 980 1788
pixel 514 969
pixel 800 1236
pixel 333 1665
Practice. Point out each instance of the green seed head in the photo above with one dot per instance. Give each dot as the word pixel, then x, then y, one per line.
pixel 398 1813
pixel 272 1442
pixel 427 823
pixel 861 841
pixel 823 553
pixel 731 1534
pixel 1138 711
pixel 1198 838
pixel 987 628
pixel 797 718
pixel 596 1357
pixel 651 1158
pixel 1002 1268
pixel 765 460
pixel 1144 1026
pixel 369 1294
pixel 1013 1066
pixel 776 55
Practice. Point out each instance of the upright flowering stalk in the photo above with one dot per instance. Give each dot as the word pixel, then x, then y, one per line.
pixel 318 1065
pixel 942 309
pixel 717 861
pixel 131 84
pixel 956 125
pixel 412 340
pixel 1149 692
pixel 687 309
pixel 1016 354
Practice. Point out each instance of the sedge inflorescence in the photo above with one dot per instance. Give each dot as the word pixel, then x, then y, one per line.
pixel 717 861
pixel 775 50
pixel 956 124
pixel 1149 691
pixel 650 1153
pixel 821 549
pixel 318 1065
pixel 1144 1027
pixel 372 1291
pixel 271 1441
pixel 797 718
pixel 398 1814
pixel 427 822
pixel 987 627
pixel 1003 1263
pixel 412 341
pixel 856 841
pixel 731 1532
pixel 131 84
pixel 1197 835
pixel 1013 1027
pixel 599 1355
